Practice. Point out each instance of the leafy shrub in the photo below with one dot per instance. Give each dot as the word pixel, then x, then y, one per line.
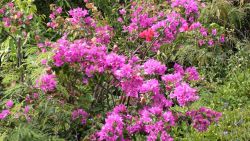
pixel 232 99
pixel 91 75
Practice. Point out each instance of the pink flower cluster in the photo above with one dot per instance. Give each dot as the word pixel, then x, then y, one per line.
pixel 9 104
pixel 152 66
pixel 152 27
pixel 80 19
pixel 4 114
pixel 77 14
pixel 203 117
pixel 208 37
pixel 152 121
pixel 164 26
pixel 47 82
pixel 80 113
pixel 190 6
pixel 146 80
pixel 112 130
pixel 90 56
pixel 184 94
pixel 130 73
pixel 52 16
pixel 12 17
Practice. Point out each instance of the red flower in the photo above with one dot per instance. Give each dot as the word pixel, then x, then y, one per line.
pixel 147 34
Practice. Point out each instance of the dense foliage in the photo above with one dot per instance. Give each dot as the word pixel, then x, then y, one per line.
pixel 124 70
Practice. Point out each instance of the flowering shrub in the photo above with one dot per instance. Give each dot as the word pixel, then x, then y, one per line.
pixel 202 118
pixel 47 82
pixel 143 91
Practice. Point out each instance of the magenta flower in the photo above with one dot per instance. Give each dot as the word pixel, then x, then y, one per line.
pixel 9 104
pixel 120 109
pixel 178 69
pixel 59 10
pixel 4 114
pixel 77 14
pixel 172 80
pixel 150 86
pixel 201 42
pixel 211 42
pixel 222 38
pixel 26 109
pixel 6 22
pixel 30 17
pixel 35 95
pixel 203 117
pixel 166 137
pixel 2 10
pixel 115 61
pixel 47 82
pixel 152 66
pixel 184 94
pixel 132 86
pixel 192 73
pixel 10 4
pixel 120 20
pixel 214 32
pixel 190 6
pixel 122 11
pixel 44 61
pixel 203 31
pixel 112 129
pixel 80 113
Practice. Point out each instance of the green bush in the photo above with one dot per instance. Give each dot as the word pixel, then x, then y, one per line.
pixel 232 99
pixel 234 126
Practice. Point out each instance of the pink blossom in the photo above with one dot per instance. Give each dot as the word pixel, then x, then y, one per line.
pixel 2 10
pixel 184 94
pixel 120 109
pixel 6 22
pixel 77 14
pixel 210 42
pixel 132 86
pixel 112 129
pixel 30 17
pixel 115 61
pixel 152 66
pixel 150 86
pixel 214 32
pixel 10 4
pixel 201 42
pixel 172 80
pixel 203 31
pixel 44 61
pixel 35 95
pixel 192 73
pixel 203 117
pixel 120 20
pixel 190 6
pixel 26 109
pixel 80 113
pixel 122 11
pixel 4 114
pixel 59 10
pixel 166 137
pixel 222 38
pixel 9 104
pixel 178 69
pixel 47 82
